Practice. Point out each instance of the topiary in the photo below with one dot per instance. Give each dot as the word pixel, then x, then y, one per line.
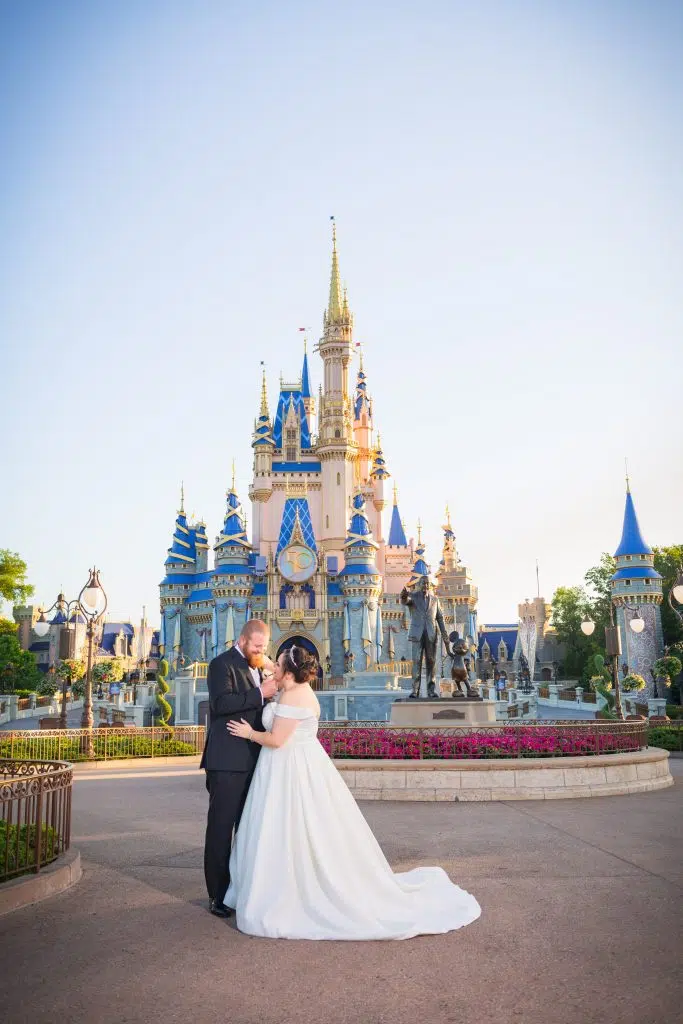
pixel 164 709
pixel 633 682
pixel 666 669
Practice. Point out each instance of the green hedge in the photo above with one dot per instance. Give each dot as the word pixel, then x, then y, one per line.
pixel 52 748
pixel 21 856
pixel 667 737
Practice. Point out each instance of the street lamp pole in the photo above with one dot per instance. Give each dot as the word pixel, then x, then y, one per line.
pixel 41 629
pixel 613 645
pixel 93 602
pixel 676 593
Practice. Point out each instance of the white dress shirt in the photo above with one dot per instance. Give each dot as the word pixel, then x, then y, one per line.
pixel 254 671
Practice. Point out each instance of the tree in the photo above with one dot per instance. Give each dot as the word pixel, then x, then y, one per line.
pixel 570 606
pixel 599 581
pixel 8 628
pixel 18 669
pixel 13 585
pixel 668 562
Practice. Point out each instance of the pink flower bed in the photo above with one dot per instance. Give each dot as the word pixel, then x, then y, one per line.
pixel 510 741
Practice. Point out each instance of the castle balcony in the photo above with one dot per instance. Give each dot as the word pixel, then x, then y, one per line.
pixel 296 618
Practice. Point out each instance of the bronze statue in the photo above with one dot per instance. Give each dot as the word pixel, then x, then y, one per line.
pixel 459 673
pixel 426 616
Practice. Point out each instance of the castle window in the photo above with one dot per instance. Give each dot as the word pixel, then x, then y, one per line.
pixel 291 455
pixel 327 522
pixel 337 433
pixel 291 434
pixel 627 583
pixel 643 557
pixel 628 558
pixel 648 583
pixel 338 479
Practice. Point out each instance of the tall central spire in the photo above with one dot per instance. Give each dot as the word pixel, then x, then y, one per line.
pixel 335 308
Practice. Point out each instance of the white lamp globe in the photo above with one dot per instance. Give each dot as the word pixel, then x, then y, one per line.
pixel 587 627
pixel 637 624
pixel 42 626
pixel 677 592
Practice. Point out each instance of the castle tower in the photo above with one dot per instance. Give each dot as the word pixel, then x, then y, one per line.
pixel 398 555
pixel 306 392
pixel 362 427
pixel 201 546
pixel 182 553
pixel 378 475
pixel 262 444
pixel 181 567
pixel 361 584
pixel 637 589
pixel 454 588
pixel 336 445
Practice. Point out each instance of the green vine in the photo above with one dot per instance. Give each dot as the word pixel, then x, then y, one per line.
pixel 164 709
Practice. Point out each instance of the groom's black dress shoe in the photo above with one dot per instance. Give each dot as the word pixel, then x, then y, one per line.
pixel 219 909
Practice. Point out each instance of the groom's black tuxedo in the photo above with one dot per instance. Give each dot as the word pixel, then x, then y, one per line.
pixel 228 760
pixel 232 695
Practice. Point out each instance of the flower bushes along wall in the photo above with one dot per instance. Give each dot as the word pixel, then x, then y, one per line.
pixel 514 741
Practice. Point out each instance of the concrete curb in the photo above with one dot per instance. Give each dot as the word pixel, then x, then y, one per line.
pixel 124 763
pixel 27 889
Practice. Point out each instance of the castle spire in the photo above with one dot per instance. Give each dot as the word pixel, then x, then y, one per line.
pixel 397 535
pixel 181 510
pixel 632 540
pixel 334 306
pixel 305 376
pixel 264 395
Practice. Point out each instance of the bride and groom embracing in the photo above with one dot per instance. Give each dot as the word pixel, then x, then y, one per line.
pixel 304 863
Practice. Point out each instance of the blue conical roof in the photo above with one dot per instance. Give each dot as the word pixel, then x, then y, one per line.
pixel 397 535
pixel 233 539
pixel 632 541
pixel 182 547
pixel 305 379
pixel 359 547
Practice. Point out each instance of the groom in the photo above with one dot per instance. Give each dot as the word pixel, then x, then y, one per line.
pixel 237 690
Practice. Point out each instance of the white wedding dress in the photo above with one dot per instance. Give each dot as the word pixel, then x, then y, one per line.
pixel 305 864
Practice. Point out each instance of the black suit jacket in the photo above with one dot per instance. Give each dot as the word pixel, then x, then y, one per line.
pixel 232 695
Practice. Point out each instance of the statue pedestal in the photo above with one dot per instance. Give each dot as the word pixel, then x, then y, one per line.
pixel 425 713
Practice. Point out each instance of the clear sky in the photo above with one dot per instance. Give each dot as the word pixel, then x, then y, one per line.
pixel 506 179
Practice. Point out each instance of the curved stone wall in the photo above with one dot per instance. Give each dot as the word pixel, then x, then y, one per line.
pixel 547 778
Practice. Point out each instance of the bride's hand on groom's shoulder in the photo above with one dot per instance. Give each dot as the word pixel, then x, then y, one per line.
pixel 241 729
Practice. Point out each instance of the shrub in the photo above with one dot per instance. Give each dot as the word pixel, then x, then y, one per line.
pixel 13 846
pixel 666 669
pixel 633 682
pixel 666 737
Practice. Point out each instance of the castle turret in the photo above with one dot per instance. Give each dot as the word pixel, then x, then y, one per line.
pixel 378 475
pixel 454 587
pixel 232 547
pixel 263 445
pixel 201 545
pixel 420 568
pixel 449 559
pixel 398 555
pixel 306 391
pixel 361 583
pixel 182 552
pixel 336 446
pixel 362 426
pixel 637 593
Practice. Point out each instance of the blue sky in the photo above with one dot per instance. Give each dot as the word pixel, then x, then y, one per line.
pixel 506 182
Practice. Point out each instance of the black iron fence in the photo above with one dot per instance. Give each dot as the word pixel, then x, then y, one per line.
pixel 35 814
pixel 101 744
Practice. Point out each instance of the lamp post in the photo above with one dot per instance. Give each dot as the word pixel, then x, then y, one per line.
pixel 93 602
pixel 676 594
pixel 67 649
pixel 613 646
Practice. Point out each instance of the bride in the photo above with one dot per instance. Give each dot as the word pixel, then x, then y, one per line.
pixel 305 864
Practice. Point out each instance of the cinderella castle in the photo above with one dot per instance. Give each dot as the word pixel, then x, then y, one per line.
pixel 319 567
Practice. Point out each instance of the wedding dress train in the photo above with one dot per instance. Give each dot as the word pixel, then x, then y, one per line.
pixel 305 864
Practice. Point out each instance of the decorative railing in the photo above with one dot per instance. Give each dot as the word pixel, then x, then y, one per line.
pixel 396 668
pixel 523 739
pixel 102 744
pixel 35 814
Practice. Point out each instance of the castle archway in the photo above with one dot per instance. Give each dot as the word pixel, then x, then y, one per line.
pixel 307 644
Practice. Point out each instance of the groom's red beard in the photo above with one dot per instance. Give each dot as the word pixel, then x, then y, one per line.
pixel 255 660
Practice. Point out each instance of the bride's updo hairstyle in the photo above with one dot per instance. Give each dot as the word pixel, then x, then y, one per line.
pixel 302 665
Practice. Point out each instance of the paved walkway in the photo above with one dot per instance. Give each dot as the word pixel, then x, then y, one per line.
pixel 581 920
pixel 73 721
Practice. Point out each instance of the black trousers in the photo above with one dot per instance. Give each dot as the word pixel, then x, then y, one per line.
pixel 227 796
